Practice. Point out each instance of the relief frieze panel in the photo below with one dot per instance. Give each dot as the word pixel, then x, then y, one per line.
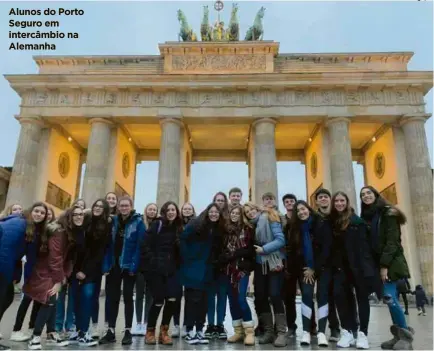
pixel 223 98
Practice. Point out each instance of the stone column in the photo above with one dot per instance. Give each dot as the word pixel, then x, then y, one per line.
pixel 421 192
pixel 265 163
pixel 341 163
pixel 22 185
pixel 98 150
pixel 169 167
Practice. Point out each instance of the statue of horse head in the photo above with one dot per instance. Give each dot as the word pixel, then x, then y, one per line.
pixel 181 16
pixel 261 12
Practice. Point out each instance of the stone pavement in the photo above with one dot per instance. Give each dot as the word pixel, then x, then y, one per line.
pixel 378 332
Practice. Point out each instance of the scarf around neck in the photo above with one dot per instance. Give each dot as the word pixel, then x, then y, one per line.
pixel 307 243
pixel 264 235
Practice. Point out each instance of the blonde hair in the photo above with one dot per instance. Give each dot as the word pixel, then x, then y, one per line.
pixel 273 215
pixel 8 211
pixel 145 217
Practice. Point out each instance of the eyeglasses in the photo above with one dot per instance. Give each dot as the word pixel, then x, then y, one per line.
pixel 77 214
pixel 98 206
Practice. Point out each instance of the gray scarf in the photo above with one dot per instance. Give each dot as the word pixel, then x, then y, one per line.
pixel 264 235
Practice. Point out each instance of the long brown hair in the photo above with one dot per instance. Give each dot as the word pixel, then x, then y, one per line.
pixel 33 228
pixel 295 234
pixel 340 220
pixel 235 228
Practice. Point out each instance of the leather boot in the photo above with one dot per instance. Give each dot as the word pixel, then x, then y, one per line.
pixel 281 330
pixel 164 338
pixel 238 332
pixel 249 331
pixel 405 339
pixel 388 345
pixel 267 323
pixel 150 336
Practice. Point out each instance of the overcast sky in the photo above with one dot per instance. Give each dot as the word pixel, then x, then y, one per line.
pixel 136 28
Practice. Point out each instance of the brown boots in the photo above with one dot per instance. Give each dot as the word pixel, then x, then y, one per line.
pixel 164 338
pixel 238 332
pixel 249 332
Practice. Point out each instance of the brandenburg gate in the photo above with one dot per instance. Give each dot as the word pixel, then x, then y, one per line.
pixel 228 101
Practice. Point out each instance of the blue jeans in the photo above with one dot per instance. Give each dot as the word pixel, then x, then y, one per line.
pixel 218 287
pixel 395 309
pixel 238 300
pixel 61 323
pixel 95 304
pixel 268 288
pixel 84 298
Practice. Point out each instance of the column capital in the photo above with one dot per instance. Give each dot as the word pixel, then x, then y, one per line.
pixel 30 120
pixel 100 120
pixel 175 120
pixel 331 120
pixel 264 120
pixel 417 117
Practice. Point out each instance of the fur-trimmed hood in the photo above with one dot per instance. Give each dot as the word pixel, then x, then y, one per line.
pixel 394 212
pixel 53 227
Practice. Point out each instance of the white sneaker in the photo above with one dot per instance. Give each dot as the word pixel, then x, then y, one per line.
pixel 94 333
pixel 184 332
pixel 35 343
pixel 20 336
pixel 346 340
pixel 362 341
pixel 191 338
pixel 201 337
pixel 87 341
pixel 54 339
pixel 73 338
pixel 305 339
pixel 322 340
pixel 176 331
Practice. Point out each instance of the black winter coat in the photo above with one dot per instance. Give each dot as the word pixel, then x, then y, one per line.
pixel 160 249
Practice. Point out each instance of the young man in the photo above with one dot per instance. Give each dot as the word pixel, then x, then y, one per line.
pixel 269 200
pixel 235 196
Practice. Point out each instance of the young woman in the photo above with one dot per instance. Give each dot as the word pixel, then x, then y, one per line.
pixel 160 265
pixel 14 209
pixel 201 243
pixel 51 216
pixel 18 235
pixel 218 287
pixel 269 271
pixel 385 223
pixel 121 262
pixel 238 259
pixel 142 289
pixel 87 272
pixel 31 250
pixel 54 261
pixel 353 267
pixel 112 201
pixel 309 245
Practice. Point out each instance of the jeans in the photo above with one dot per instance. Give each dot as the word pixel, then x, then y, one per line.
pixel 333 314
pixel 218 287
pixel 142 292
pixel 95 303
pixel 404 298
pixel 84 298
pixel 69 323
pixel 6 295
pixel 307 304
pixel 177 311
pixel 114 280
pixel 268 287
pixel 391 299
pixel 46 316
pixel 22 311
pixel 195 309
pixel 238 300
pixel 343 287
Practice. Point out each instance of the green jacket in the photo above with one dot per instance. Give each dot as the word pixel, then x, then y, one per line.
pixel 389 251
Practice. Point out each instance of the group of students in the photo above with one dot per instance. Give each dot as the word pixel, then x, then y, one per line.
pixel 332 255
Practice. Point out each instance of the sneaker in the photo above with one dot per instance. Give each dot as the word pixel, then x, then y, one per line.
pixel 419 313
pixel 35 343
pixel 335 335
pixel 108 338
pixel 424 313
pixel 137 330
pixel 346 340
pixel 191 338
pixel 176 331
pixel 220 332
pixel 127 339
pixel 94 333
pixel 54 339
pixel 73 338
pixel 305 339
pixel 19 336
pixel 87 341
pixel 362 342
pixel 209 332
pixel 4 347
pixel 322 340
pixel 184 332
pixel 201 337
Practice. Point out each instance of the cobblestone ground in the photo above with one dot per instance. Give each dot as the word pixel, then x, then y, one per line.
pixel 378 332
